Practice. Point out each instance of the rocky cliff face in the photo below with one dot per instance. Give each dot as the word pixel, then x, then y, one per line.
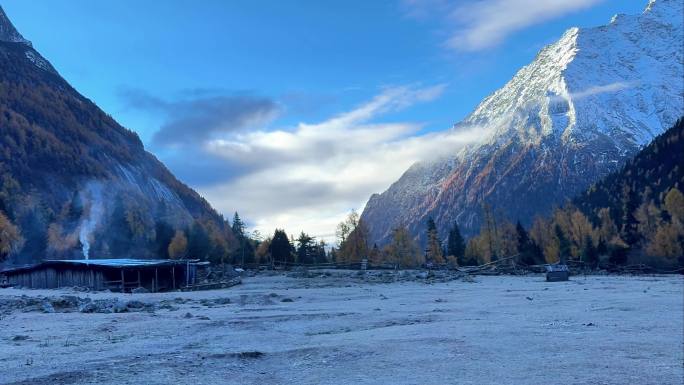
pixel 584 106
pixel 74 180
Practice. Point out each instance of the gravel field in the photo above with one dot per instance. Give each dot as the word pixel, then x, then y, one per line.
pixel 342 328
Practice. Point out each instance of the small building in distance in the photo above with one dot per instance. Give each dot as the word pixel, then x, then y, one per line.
pixel 557 272
pixel 121 275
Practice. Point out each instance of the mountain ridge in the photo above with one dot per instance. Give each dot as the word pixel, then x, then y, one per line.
pixel 70 174
pixel 577 112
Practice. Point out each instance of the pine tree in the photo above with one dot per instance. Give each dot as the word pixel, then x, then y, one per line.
pixel 321 255
pixel 590 253
pixel 305 249
pixel 375 256
pixel 629 230
pixel 280 248
pixel 164 234
pixel 489 232
pixel 601 248
pixel 456 245
pixel 244 253
pixel 525 247
pixel 564 245
pixel 198 242
pixel 238 226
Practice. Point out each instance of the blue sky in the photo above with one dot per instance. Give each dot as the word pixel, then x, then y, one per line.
pixel 216 88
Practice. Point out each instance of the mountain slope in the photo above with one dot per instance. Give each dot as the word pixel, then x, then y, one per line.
pixel 72 178
pixel 651 174
pixel 583 107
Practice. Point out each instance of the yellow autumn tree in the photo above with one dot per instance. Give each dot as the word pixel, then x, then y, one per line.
pixel 674 204
pixel 475 251
pixel 262 253
pixel 403 250
pixel 58 241
pixel 666 241
pixel 10 237
pixel 178 247
pixel 543 233
pixel 353 236
pixel 650 218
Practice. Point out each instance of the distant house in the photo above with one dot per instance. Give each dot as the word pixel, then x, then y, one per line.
pixel 99 274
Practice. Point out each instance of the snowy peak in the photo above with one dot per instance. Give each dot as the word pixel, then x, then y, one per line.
pixel 7 31
pixel 584 106
pixel 634 58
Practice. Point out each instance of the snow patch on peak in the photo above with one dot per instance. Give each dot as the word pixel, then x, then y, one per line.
pixel 38 61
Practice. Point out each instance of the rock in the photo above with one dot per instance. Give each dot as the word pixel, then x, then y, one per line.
pixel 48 308
pixel 469 279
pixel 187 315
pixel 80 288
pixel 88 307
pixel 424 275
pixel 139 290
pixel 120 307
pixel 66 303
pixel 135 305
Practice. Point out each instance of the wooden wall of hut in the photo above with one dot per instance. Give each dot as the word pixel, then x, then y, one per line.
pixel 49 278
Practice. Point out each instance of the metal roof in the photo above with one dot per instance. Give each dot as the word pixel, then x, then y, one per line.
pixel 123 262
pixel 556 267
pixel 119 263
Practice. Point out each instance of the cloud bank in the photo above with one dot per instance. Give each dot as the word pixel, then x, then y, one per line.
pixel 201 115
pixel 307 177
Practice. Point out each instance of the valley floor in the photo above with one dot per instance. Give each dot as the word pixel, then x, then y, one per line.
pixel 328 330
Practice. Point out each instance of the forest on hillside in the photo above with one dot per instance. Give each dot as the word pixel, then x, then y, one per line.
pixel 57 145
pixel 633 216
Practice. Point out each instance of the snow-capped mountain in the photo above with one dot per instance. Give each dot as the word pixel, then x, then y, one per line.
pixel 584 106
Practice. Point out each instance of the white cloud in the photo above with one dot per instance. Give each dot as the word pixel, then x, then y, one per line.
pixel 595 90
pixel 477 25
pixel 307 178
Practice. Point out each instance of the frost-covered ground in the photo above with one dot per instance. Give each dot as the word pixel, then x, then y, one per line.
pixel 517 330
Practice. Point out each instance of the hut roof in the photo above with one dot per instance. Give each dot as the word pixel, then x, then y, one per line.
pixel 118 263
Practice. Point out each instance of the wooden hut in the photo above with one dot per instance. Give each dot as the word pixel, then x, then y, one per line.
pixel 99 274
pixel 557 272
